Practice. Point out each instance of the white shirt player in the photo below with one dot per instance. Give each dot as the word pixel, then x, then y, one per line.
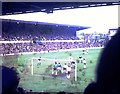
pixel 68 68
pixel 65 66
pixel 84 61
pixel 68 71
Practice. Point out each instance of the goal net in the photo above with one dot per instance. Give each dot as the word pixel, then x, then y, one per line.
pixel 46 67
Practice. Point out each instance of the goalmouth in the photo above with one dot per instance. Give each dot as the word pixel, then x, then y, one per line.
pixel 44 66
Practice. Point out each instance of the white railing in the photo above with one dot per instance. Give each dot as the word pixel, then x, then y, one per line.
pixel 42 41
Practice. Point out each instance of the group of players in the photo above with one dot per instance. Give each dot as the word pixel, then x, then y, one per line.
pixel 67 67
pixel 63 69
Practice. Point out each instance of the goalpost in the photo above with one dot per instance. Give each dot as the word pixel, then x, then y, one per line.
pixel 48 62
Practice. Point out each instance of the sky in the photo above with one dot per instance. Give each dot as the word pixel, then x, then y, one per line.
pixel 99 18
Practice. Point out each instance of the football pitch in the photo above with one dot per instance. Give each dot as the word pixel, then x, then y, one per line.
pixel 43 81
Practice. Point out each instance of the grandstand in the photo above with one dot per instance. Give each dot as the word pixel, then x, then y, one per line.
pixel 33 48
pixel 26 37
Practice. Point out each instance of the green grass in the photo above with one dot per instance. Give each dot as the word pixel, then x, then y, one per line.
pixel 40 83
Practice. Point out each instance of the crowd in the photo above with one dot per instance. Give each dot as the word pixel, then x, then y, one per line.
pixel 30 32
pixel 9 48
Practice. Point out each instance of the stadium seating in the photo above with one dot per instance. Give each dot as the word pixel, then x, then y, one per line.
pixel 30 32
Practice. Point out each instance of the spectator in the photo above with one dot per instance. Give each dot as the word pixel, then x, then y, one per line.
pixel 107 74
pixel 10 80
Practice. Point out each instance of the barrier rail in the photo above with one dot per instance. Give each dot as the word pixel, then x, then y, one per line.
pixel 42 41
